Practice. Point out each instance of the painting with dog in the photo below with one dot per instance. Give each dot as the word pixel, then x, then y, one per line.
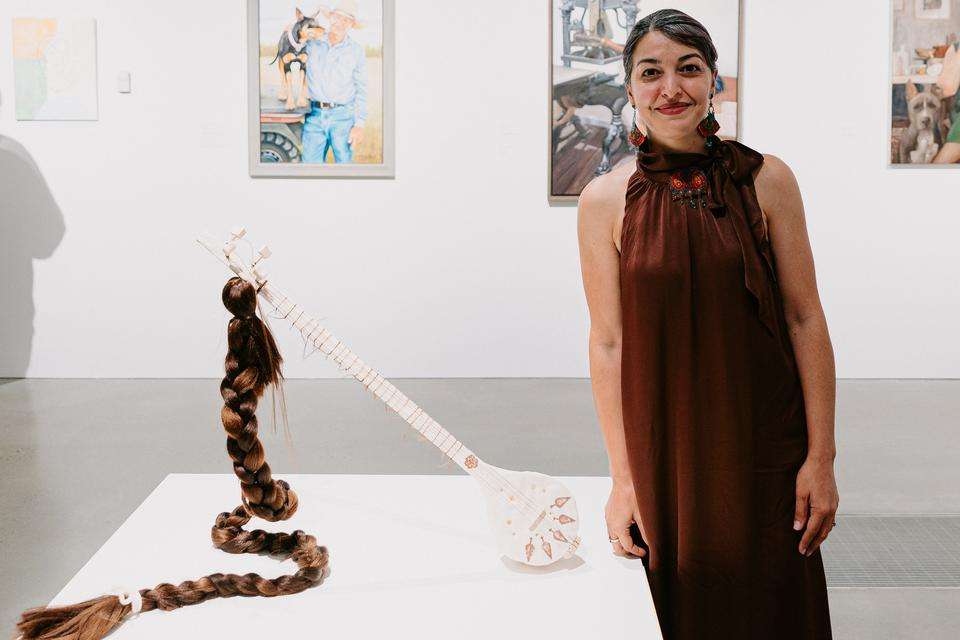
pixel 322 76
pixel 925 76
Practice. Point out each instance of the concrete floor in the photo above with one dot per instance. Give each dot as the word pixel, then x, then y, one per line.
pixel 80 455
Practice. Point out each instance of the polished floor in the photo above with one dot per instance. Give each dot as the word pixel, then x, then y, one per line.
pixel 79 455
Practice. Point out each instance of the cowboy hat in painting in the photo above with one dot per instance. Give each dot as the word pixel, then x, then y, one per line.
pixel 348 8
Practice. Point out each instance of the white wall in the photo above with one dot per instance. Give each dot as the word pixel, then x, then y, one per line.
pixel 458 267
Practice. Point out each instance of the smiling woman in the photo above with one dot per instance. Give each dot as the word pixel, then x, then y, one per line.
pixel 710 360
pixel 669 105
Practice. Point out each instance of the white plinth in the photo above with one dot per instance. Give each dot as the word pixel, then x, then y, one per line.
pixel 408 554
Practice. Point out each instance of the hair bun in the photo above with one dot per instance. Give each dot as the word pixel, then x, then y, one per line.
pixel 240 298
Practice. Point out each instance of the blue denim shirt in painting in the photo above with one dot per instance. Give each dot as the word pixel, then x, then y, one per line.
pixel 338 73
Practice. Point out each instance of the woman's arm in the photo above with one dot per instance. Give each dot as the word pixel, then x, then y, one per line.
pixel 600 269
pixel 599 207
pixel 779 197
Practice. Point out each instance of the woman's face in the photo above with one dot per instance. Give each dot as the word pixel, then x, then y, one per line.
pixel 670 86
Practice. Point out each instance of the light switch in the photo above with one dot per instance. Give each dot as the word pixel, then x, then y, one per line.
pixel 123 82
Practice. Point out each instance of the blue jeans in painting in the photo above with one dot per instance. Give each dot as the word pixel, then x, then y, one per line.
pixel 328 128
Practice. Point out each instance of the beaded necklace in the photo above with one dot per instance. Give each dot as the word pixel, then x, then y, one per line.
pixel 690 184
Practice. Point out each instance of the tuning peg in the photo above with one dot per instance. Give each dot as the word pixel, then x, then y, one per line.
pixel 263 253
pixel 259 274
pixel 237 232
pixel 228 247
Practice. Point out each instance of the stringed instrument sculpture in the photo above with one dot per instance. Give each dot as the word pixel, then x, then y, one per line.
pixel 533 516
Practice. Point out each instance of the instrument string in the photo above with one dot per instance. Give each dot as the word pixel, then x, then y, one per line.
pixel 525 507
pixel 491 479
pixel 530 504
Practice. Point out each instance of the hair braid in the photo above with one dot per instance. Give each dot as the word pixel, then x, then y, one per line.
pixel 252 363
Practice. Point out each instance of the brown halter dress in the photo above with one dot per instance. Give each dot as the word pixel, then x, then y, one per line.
pixel 713 409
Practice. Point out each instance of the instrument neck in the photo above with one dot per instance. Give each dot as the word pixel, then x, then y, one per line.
pixel 348 362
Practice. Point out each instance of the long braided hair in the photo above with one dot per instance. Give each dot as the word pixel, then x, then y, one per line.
pixel 252 363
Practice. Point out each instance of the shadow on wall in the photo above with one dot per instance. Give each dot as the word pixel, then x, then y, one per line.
pixel 31 227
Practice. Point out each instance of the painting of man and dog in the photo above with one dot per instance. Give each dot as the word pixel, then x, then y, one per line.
pixel 322 77
pixel 925 77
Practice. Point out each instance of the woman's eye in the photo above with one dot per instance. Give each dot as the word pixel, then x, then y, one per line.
pixel 651 72
pixel 690 67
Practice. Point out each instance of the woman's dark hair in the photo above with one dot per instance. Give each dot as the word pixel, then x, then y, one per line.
pixel 252 364
pixel 677 26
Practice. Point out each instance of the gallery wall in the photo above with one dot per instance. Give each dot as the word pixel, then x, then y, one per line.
pixel 458 266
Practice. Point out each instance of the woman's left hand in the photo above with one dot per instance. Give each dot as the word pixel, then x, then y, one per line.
pixel 817 501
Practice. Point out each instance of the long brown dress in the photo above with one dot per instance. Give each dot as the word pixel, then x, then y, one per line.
pixel 712 405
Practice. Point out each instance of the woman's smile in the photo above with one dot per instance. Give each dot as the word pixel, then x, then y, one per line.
pixel 673 109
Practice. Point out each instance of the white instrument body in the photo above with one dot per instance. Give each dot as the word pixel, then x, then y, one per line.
pixel 534 517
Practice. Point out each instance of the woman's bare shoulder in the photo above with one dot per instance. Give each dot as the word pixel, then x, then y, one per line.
pixel 774 181
pixel 604 196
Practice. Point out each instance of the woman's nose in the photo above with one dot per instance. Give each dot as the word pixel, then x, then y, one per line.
pixel 670 86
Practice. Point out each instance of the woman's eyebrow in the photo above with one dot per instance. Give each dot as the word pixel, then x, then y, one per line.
pixel 680 59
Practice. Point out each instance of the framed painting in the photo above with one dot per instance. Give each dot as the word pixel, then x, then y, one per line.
pixel 924 78
pixel 589 113
pixel 933 9
pixel 55 68
pixel 320 88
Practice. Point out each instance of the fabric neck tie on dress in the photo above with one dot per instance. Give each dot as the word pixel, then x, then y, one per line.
pixel 729 175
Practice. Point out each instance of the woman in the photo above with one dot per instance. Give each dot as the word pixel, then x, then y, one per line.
pixel 711 364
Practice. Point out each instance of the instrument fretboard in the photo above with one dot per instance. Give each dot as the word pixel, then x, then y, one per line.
pixel 348 362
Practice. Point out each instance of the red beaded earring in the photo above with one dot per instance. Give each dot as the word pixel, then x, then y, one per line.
pixel 636 137
pixel 709 126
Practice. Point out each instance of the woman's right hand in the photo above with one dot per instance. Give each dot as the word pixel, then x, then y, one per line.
pixel 621 512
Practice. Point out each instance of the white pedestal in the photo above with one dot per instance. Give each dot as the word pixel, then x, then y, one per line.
pixel 408 554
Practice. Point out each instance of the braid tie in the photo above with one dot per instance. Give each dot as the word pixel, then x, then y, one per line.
pixel 252 362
